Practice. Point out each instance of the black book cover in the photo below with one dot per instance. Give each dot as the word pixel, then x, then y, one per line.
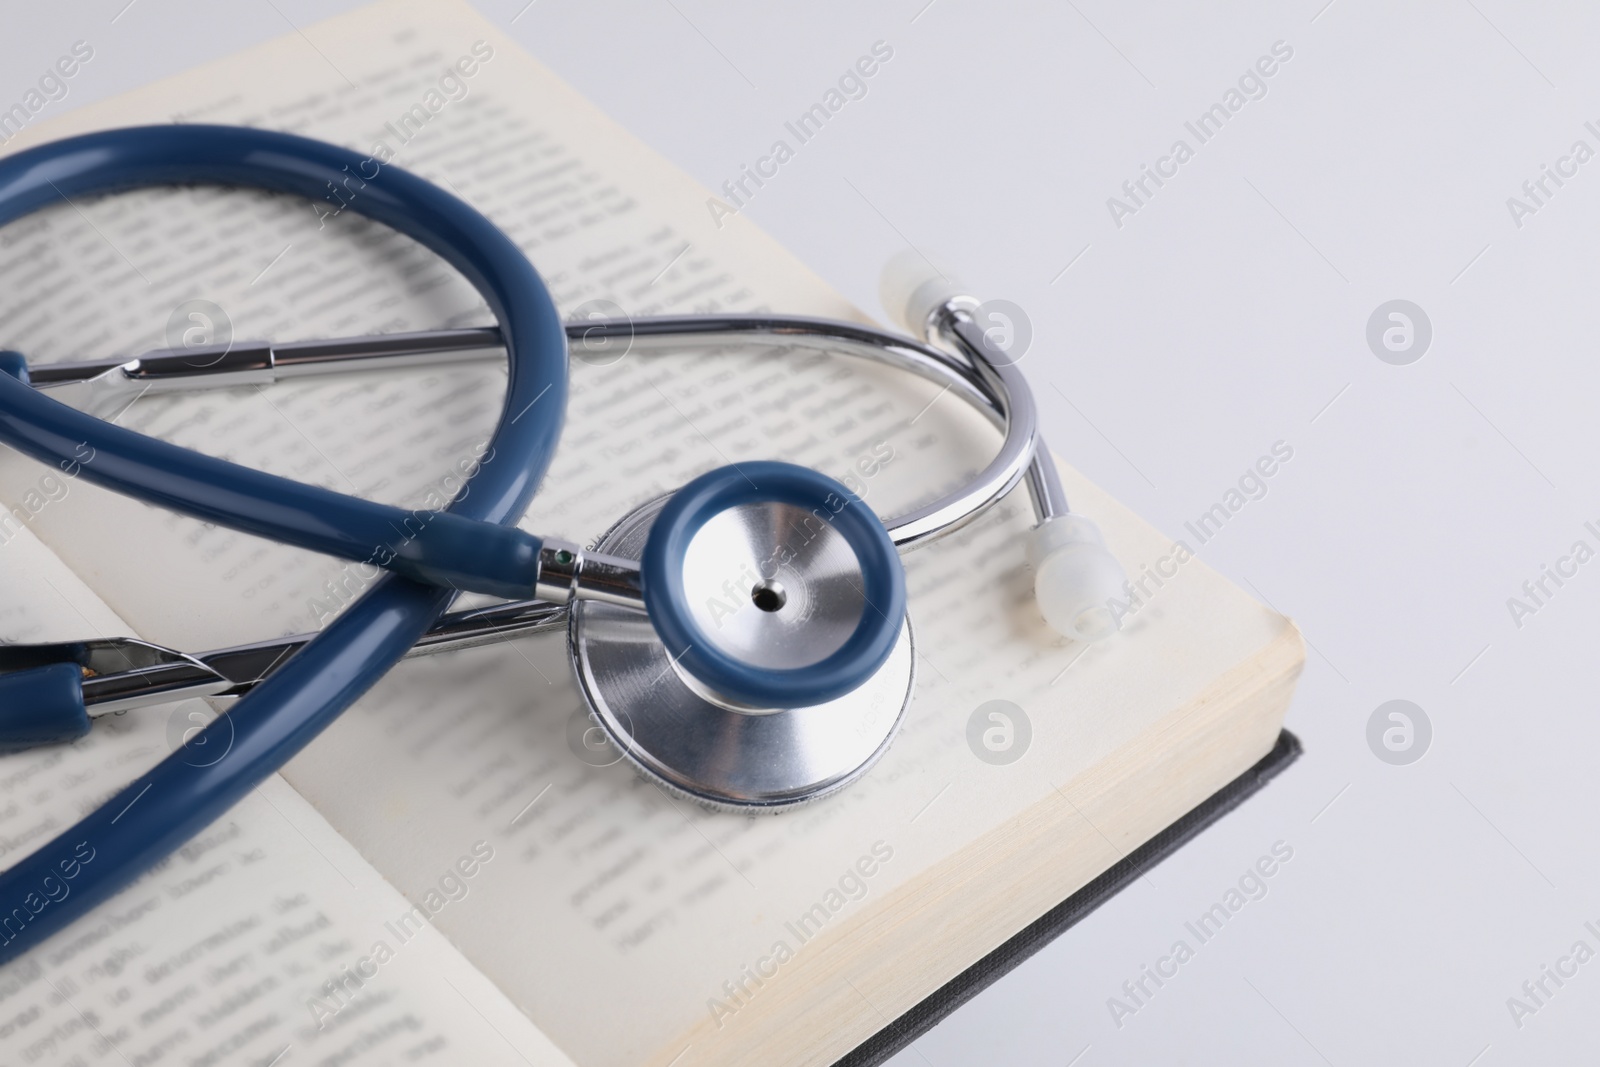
pixel 969 983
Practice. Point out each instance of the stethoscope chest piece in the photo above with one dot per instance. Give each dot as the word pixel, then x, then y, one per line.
pixel 767 583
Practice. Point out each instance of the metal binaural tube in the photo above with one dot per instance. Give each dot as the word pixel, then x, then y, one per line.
pixel 996 390
pixel 956 324
pixel 135 674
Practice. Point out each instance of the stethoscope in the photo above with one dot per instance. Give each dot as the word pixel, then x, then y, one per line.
pixel 742 641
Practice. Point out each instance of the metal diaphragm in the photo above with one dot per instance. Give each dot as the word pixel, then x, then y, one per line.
pixel 717 751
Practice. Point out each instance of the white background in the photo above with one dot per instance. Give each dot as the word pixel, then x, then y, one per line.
pixel 1228 314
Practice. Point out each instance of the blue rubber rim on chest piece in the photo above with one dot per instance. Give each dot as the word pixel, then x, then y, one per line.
pixel 171 802
pixel 666 600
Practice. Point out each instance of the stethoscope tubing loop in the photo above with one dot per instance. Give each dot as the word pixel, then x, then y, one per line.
pixel 165 806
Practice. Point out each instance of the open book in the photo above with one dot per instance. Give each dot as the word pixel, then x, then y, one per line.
pixel 453 873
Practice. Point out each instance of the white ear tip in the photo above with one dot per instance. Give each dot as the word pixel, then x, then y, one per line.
pixel 912 287
pixel 1076 579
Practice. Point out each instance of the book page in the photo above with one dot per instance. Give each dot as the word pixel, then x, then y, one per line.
pixel 621 919
pixel 258 941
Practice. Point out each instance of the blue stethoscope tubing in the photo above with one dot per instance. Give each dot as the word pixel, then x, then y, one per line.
pixel 170 803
